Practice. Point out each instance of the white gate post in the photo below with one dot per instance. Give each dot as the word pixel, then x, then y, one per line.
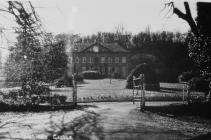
pixel 74 90
pixel 142 101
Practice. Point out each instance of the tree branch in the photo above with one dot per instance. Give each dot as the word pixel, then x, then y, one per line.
pixel 180 14
pixel 4 10
pixel 187 17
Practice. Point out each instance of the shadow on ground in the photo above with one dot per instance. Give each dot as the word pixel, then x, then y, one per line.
pixel 179 110
pixel 203 137
pixel 75 128
pixel 85 127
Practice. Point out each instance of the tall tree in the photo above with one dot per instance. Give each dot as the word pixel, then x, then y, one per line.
pixel 199 40
pixel 26 56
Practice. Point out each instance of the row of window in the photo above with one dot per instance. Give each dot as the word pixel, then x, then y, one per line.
pixel 100 60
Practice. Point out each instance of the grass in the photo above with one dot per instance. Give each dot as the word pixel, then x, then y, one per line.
pixel 103 90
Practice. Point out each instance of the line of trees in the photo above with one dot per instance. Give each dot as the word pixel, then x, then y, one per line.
pixel 167 52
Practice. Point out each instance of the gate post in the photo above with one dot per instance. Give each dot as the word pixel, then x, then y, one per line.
pixel 188 92
pixel 183 93
pixel 143 93
pixel 142 101
pixel 74 90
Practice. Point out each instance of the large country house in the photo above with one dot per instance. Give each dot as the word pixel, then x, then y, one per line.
pixel 107 58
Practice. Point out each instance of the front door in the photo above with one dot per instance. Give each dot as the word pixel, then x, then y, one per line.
pixel 96 60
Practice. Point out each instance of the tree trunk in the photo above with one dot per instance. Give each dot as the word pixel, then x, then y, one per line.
pixel 187 17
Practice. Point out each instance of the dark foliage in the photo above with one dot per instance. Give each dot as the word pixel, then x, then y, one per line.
pixel 199 52
pixel 204 18
pixel 18 101
pixel 150 76
pixel 180 110
pixel 186 76
pixel 166 52
pixel 56 61
pixel 29 94
pixel 58 99
pixel 199 84
pixel 198 39
pixel 121 37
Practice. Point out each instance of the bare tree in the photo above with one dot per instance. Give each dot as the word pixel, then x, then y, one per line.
pixel 187 16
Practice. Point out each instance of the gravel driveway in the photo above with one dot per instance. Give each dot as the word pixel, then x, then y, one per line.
pixel 100 121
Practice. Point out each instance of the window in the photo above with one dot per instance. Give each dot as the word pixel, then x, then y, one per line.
pixel 124 60
pixel 102 59
pixel 90 59
pixel 109 60
pixel 84 60
pixel 116 59
pixel 77 60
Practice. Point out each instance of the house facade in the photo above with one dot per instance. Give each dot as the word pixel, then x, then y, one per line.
pixel 107 58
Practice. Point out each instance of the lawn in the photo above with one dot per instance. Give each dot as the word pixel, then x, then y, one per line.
pixel 111 120
pixel 114 90
pixel 104 90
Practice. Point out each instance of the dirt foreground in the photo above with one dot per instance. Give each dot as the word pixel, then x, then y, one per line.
pixel 100 121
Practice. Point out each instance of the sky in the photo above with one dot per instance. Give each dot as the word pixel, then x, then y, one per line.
pixel 91 16
pixel 87 17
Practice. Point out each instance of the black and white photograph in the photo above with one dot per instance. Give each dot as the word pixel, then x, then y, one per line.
pixel 105 70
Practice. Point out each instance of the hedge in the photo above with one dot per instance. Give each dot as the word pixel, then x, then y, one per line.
pixel 150 77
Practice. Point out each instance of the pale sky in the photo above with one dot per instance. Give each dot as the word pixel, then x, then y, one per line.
pixel 91 16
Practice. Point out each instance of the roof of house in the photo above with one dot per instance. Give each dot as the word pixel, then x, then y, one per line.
pixel 113 47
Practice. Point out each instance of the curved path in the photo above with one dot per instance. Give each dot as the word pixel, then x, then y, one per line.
pixel 121 121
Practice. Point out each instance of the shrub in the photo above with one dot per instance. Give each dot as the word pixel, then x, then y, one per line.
pixel 186 76
pixel 11 95
pixel 67 81
pixel 150 77
pixel 61 82
pixel 29 94
pixel 92 75
pixel 58 99
pixel 35 88
pixel 199 84
pixel 79 78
